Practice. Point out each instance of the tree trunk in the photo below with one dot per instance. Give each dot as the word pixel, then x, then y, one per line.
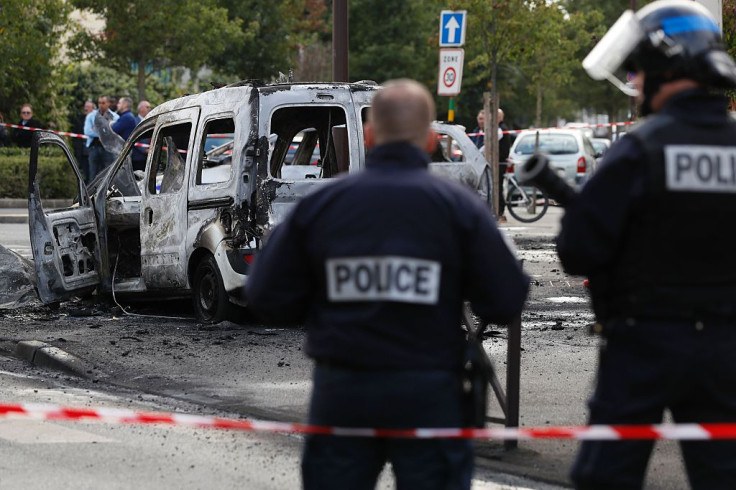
pixel 538 117
pixel 491 139
pixel 141 80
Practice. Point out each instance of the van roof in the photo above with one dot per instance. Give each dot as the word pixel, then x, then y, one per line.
pixel 240 91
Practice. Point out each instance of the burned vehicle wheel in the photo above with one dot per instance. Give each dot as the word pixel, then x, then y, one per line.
pixel 211 302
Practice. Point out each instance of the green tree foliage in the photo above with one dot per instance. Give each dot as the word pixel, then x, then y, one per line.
pixel 394 38
pixel 729 26
pixel 268 41
pixel 550 66
pixel 499 40
pixel 30 33
pixel 89 81
pixel 157 34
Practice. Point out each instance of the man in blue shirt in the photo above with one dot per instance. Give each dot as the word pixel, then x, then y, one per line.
pixel 99 157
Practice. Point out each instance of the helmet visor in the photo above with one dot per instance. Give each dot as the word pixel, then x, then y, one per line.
pixel 609 55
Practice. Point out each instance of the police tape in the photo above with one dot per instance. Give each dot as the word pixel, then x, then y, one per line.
pixel 509 131
pixel 593 432
pixel 62 133
pixel 577 126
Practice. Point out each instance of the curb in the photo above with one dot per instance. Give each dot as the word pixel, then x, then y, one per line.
pixel 23 203
pixel 13 203
pixel 45 355
pixel 13 218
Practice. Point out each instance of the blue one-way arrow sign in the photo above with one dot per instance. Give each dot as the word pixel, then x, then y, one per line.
pixel 452 27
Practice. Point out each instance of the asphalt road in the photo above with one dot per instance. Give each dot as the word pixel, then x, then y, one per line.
pixel 252 370
pixel 15 237
pixel 51 454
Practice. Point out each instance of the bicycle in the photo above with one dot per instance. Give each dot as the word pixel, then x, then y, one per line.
pixel 525 203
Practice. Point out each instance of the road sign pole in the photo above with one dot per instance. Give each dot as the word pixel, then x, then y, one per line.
pixel 451 111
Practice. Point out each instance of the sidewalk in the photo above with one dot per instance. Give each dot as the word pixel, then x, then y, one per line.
pixel 16 210
pixel 13 215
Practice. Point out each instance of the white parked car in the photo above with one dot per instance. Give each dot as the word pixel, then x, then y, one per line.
pixel 570 152
pixel 601 146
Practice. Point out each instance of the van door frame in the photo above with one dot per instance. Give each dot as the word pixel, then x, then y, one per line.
pixel 62 236
pixel 164 217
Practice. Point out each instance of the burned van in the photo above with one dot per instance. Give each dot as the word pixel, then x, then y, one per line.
pixel 186 204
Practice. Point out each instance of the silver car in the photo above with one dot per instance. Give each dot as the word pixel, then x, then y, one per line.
pixel 570 152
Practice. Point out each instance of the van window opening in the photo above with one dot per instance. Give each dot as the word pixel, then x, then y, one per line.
pixel 214 164
pixel 169 159
pixel 310 142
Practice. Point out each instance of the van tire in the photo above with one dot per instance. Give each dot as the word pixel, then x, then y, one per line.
pixel 211 302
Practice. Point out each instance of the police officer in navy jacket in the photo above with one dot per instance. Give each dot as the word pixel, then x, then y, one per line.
pixel 653 231
pixel 378 265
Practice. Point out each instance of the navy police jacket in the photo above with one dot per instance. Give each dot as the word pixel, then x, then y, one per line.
pixel 652 228
pixel 378 264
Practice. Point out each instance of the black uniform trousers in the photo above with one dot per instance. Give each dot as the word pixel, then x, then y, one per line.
pixel 502 168
pixel 645 367
pixel 406 399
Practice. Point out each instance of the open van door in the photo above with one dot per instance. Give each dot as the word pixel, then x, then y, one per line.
pixel 64 240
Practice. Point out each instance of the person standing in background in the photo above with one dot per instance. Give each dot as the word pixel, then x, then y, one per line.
pixel 113 103
pixel 99 157
pixel 479 132
pixel 126 122
pixel 3 132
pixel 504 148
pixel 23 137
pixel 144 107
pixel 81 152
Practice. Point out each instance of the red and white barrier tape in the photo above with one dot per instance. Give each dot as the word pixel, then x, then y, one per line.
pixel 593 432
pixel 581 126
pixel 62 133
pixel 510 131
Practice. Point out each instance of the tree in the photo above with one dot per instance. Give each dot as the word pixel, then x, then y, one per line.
pixel 550 67
pixel 497 34
pixel 729 26
pixel 31 34
pixel 314 61
pixel 393 38
pixel 268 41
pixel 158 34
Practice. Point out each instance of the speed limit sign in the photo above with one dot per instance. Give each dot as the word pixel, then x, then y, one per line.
pixel 451 71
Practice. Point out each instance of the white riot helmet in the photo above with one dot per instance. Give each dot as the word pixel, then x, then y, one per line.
pixel 667 40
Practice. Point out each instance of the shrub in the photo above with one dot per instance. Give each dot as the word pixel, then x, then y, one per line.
pixel 57 180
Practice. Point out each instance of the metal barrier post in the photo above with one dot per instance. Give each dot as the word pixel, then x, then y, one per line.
pixel 508 400
pixel 513 378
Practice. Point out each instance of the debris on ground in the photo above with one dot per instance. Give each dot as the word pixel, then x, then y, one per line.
pixel 17 280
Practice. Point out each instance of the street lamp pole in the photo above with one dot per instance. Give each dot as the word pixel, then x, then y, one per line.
pixel 340 41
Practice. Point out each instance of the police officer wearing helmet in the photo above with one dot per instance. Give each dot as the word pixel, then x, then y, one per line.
pixel 653 232
pixel 377 264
